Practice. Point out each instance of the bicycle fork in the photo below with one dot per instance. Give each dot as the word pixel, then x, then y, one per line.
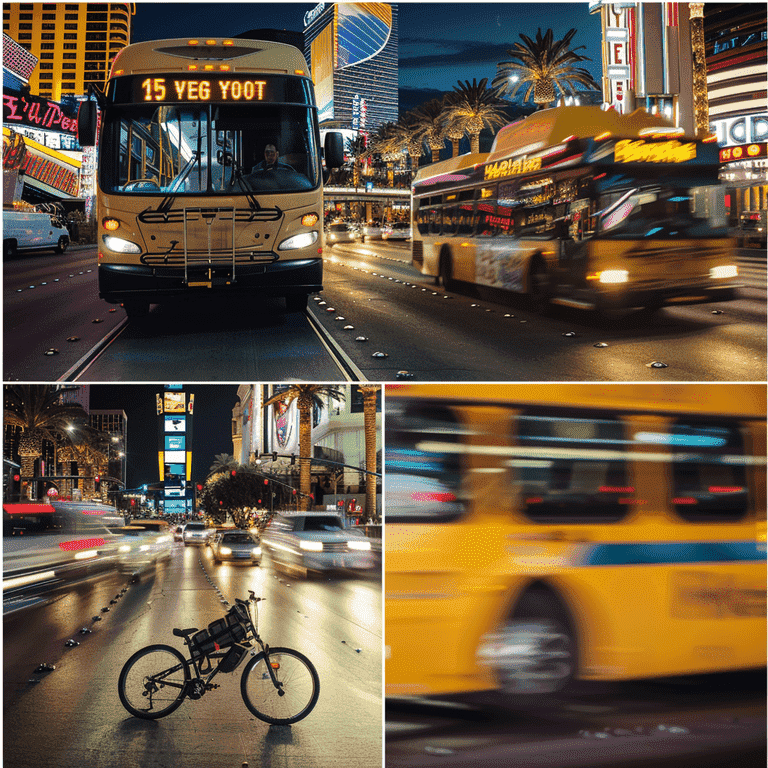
pixel 272 667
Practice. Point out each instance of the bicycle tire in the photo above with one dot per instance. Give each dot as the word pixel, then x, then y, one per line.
pixel 299 678
pixel 155 660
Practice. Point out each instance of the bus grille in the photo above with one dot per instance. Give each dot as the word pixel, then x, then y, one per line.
pixel 179 215
pixel 417 253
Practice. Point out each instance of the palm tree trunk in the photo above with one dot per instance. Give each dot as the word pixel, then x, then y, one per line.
pixel 305 449
pixel 475 141
pixel 369 411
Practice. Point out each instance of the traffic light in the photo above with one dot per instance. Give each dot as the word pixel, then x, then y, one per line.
pixel 266 482
pixel 97 482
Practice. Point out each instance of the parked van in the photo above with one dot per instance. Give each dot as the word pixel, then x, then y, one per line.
pixel 32 230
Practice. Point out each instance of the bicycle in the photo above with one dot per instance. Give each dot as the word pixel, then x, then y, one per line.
pixel 278 685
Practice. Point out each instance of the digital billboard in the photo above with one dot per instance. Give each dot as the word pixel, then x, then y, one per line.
pixel 174 402
pixel 175 424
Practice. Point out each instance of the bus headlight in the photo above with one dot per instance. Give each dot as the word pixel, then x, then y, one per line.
pixel 303 240
pixel 612 276
pixel 119 245
pixel 729 270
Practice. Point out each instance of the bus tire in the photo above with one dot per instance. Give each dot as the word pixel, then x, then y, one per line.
pixel 541 632
pixel 538 286
pixel 136 308
pixel 296 302
pixel 9 249
pixel 445 274
pixel 61 246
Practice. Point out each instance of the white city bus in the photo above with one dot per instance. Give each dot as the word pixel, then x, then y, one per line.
pixel 181 203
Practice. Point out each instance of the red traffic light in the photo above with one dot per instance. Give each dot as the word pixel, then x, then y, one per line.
pixel 294 491
pixel 97 478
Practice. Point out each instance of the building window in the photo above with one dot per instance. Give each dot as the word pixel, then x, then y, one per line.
pixel 46 75
pixel 70 36
pixel 47 46
pixel 47 36
pixel 25 26
pixel 25 36
pixel 46 56
pixel 48 26
pixel 70 17
pixel 70 26
pixel 49 17
pixel 70 55
pixel 24 16
pixel 46 66
pixel 69 65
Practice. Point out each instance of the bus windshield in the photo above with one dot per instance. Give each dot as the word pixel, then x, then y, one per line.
pixel 660 212
pixel 210 149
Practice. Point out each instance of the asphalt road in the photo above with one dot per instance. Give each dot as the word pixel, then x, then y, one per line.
pixel 71 717
pixel 389 321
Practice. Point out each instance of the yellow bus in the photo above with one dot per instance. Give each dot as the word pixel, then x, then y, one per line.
pixel 581 207
pixel 537 536
pixel 188 199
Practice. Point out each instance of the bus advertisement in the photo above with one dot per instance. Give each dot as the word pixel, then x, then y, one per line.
pixel 539 537
pixel 210 172
pixel 581 207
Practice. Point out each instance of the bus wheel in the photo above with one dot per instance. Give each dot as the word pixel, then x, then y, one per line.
pixel 9 249
pixel 539 292
pixel 535 650
pixel 296 302
pixel 136 308
pixel 445 278
pixel 61 246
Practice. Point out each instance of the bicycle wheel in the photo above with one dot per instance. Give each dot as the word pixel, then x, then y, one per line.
pixel 300 686
pixel 152 682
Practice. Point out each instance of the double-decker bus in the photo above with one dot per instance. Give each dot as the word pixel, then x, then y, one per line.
pixel 540 537
pixel 581 207
pixel 185 202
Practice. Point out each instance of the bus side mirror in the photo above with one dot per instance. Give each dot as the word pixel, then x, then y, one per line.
pixel 86 123
pixel 333 150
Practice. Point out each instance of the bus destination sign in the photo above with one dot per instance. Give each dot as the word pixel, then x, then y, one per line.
pixel 176 90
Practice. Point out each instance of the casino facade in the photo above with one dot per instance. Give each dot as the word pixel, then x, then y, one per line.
pixel 352 51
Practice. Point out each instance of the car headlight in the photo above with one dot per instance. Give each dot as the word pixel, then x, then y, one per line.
pixel 730 270
pixel 311 546
pixel 124 548
pixel 303 240
pixel 119 245
pixel 363 545
pixel 256 551
pixel 225 551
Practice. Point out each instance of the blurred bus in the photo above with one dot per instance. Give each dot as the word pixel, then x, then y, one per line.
pixel 537 535
pixel 182 206
pixel 581 207
pixel 51 543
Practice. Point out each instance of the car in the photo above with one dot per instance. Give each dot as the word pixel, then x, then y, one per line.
pixel 371 231
pixel 195 533
pixel 400 230
pixel 753 226
pixel 142 546
pixel 310 542
pixel 236 545
pixel 340 232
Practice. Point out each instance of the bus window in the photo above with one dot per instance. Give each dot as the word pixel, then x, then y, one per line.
pixel 423 479
pixel 568 469
pixel 709 472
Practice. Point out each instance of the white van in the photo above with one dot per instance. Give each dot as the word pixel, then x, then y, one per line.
pixel 32 230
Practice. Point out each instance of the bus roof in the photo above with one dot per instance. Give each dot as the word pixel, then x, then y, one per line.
pixel 447 167
pixel 727 400
pixel 553 126
pixel 179 54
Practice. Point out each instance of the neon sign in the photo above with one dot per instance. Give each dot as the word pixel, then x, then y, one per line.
pixel 183 90
pixel 631 151
pixel 512 167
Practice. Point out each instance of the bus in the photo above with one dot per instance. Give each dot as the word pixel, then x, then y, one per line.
pixel 182 204
pixel 539 537
pixel 581 207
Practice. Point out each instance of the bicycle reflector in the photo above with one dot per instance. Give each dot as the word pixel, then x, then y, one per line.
pixel 274 664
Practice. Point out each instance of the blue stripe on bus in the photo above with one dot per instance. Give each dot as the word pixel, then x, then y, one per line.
pixel 659 553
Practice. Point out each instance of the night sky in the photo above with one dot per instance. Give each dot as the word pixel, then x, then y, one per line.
pixel 212 426
pixel 440 44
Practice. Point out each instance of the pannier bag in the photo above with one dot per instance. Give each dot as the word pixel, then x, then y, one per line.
pixel 232 658
pixel 221 633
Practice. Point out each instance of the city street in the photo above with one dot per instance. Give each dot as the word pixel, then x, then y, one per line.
pixel 425 331
pixel 71 716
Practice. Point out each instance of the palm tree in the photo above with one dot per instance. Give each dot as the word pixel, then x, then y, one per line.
pixel 472 108
pixel 543 65
pixel 385 142
pixel 429 125
pixel 222 462
pixel 37 410
pixel 306 396
pixel 369 393
pixel 406 134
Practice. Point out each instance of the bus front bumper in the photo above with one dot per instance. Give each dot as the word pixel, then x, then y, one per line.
pixel 671 296
pixel 118 282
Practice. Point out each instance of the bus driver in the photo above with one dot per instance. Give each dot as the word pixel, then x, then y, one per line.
pixel 271 161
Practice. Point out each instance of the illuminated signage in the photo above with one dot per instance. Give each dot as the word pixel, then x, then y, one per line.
pixel 175 424
pixel 632 151
pixel 174 443
pixel 310 16
pixel 743 152
pixel 512 167
pixel 178 90
pixel 36 112
pixel 174 402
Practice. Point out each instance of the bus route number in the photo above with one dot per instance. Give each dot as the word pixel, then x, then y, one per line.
pixel 160 89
